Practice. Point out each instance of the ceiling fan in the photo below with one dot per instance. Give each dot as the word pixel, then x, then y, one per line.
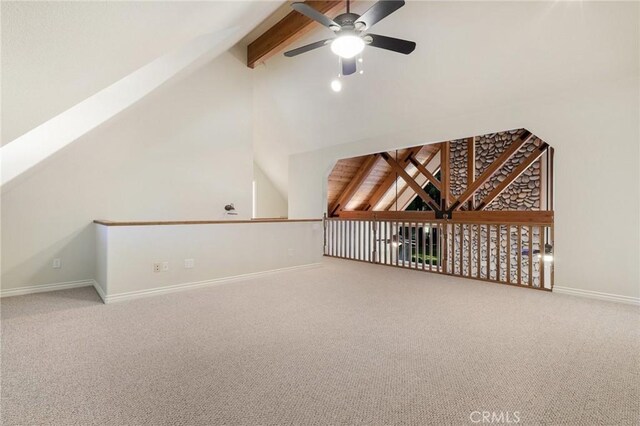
pixel 351 32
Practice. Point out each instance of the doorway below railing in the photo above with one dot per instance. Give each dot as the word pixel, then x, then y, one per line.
pixel 495 250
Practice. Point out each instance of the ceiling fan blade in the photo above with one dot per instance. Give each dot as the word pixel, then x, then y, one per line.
pixel 390 43
pixel 348 66
pixel 306 48
pixel 379 11
pixel 310 12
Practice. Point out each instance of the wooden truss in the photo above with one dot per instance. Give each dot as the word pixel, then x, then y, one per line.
pixel 424 171
pixel 293 27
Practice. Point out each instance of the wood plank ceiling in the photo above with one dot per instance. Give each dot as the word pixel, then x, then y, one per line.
pixel 377 187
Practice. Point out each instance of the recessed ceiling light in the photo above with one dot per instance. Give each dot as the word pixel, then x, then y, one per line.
pixel 336 85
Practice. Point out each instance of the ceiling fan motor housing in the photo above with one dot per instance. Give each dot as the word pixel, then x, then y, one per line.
pixel 347 21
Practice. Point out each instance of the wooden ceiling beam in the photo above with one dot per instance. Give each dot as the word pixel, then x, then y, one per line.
pixel 287 31
pixel 445 174
pixel 537 153
pixel 401 193
pixel 353 185
pixel 432 155
pixel 471 168
pixel 423 169
pixel 410 181
pixel 492 169
pixel 390 179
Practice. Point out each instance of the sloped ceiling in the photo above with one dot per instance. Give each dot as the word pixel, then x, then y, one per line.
pixel 57 54
pixel 470 56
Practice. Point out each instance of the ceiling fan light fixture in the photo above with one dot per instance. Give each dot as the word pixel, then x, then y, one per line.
pixel 347 46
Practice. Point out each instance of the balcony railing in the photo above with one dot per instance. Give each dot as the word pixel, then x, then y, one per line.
pixel 500 250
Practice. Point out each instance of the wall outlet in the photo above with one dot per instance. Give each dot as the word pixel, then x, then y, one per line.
pixel 157 267
pixel 165 266
pixel 291 252
pixel 189 263
pixel 57 263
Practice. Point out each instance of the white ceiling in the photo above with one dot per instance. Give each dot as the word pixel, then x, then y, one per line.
pixel 57 54
pixel 470 56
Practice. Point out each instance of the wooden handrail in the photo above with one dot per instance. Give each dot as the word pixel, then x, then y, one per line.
pixel 542 217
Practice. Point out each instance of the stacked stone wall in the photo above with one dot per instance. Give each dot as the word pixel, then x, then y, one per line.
pixel 522 194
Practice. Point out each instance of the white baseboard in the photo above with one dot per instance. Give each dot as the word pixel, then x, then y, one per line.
pixel 597 295
pixel 99 291
pixel 20 291
pixel 119 297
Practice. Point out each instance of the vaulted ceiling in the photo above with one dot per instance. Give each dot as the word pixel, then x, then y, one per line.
pixel 470 57
pixel 57 54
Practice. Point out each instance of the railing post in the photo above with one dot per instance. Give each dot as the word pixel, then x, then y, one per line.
pixel 445 244
pixel 324 232
pixel 374 224
pixel 553 245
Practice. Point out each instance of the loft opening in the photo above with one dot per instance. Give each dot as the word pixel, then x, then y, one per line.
pixel 479 207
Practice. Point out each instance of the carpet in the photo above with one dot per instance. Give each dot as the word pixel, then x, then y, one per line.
pixel 345 343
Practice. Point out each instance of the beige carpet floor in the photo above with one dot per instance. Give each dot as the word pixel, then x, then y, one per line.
pixel 346 343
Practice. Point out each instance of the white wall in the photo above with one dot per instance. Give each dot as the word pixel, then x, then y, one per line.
pixel 183 152
pixel 596 136
pixel 218 250
pixel 269 201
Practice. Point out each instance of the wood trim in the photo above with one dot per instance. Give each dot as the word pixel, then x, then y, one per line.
pixel 508 252
pixel 479 252
pixel 489 251
pixel 531 158
pixel 540 217
pixel 410 181
pixel 287 31
pixel 513 217
pixel 386 215
pixel 530 256
pixel 492 169
pixel 541 249
pixel 551 181
pixel 498 242
pixel 445 174
pixel 422 169
pixel 432 155
pixel 199 222
pixel 471 168
pixel 389 180
pixel 353 186
pixel 415 175
pixel 519 255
